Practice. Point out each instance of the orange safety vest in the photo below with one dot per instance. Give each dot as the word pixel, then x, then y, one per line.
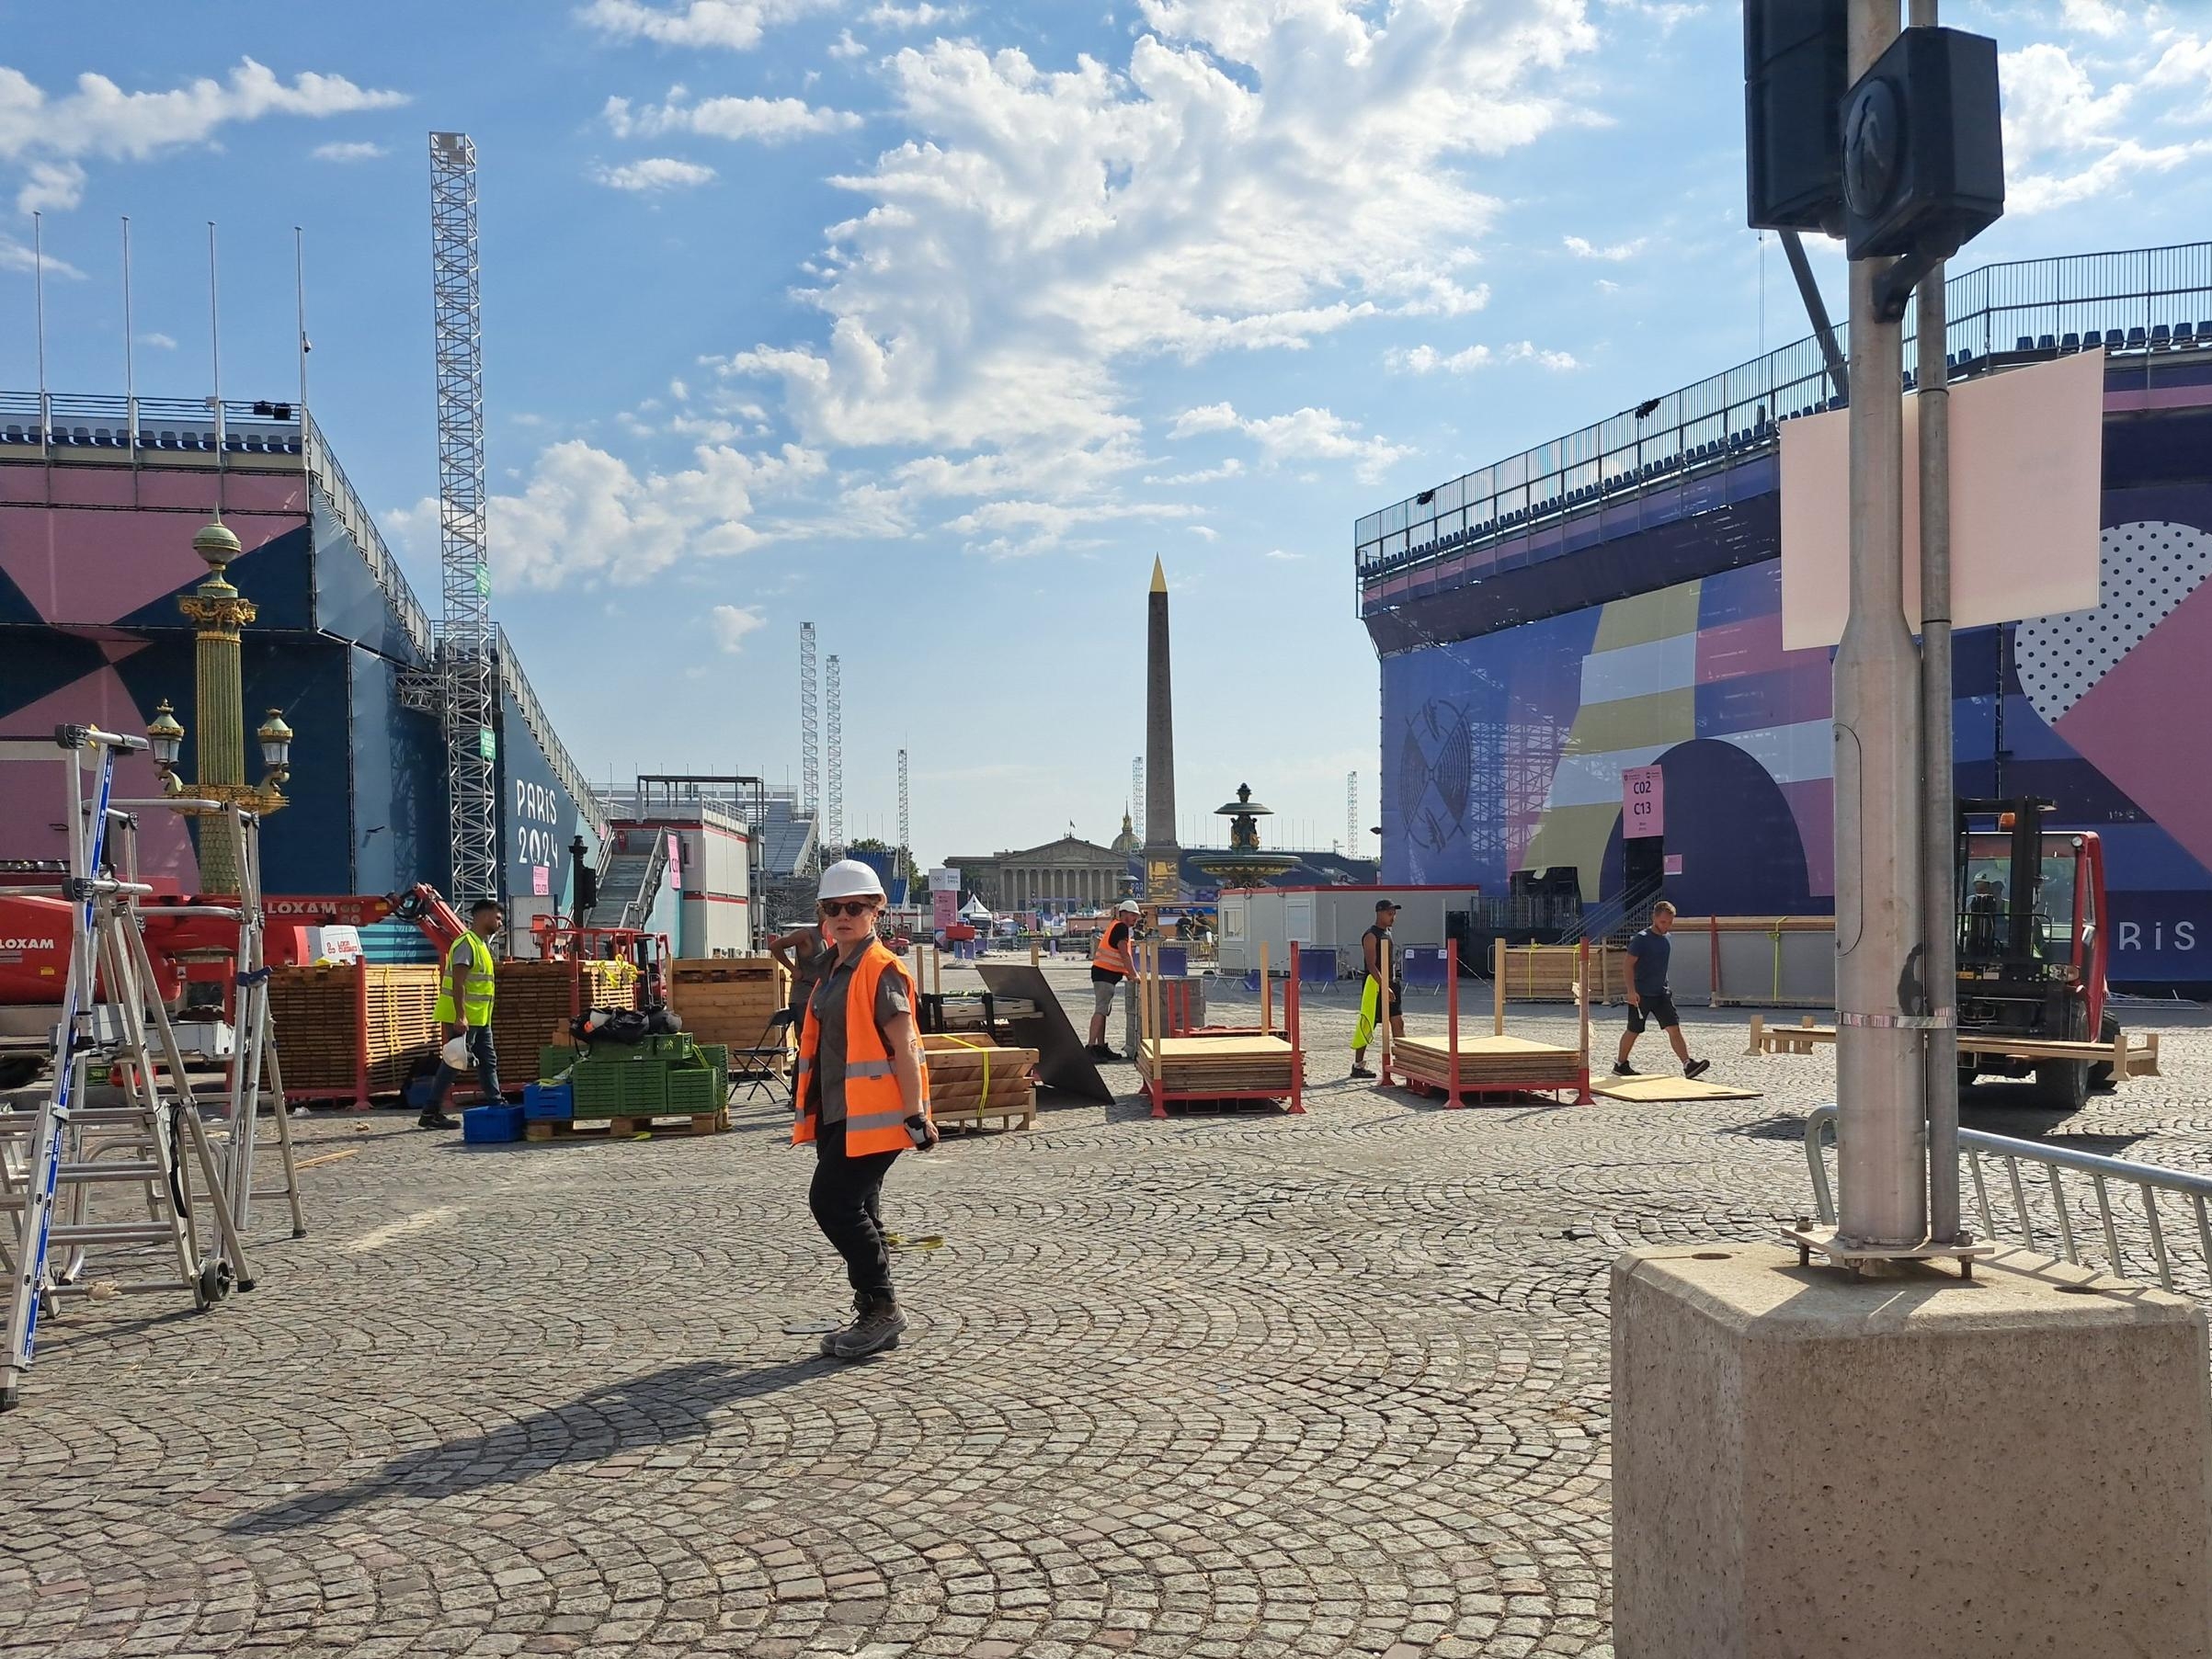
pixel 1113 959
pixel 876 1116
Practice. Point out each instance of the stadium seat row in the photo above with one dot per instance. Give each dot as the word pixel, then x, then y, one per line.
pixel 117 437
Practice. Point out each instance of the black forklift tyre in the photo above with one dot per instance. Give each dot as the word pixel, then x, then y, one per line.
pixel 2108 1033
pixel 215 1282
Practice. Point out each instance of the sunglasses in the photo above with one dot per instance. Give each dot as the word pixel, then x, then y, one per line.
pixel 846 907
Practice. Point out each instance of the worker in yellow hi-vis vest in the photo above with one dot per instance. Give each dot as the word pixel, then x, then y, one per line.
pixel 464 1011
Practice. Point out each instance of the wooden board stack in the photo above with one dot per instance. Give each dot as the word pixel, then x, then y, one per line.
pixel 341 1023
pixel 1546 973
pixel 1487 1063
pixel 1229 1067
pixel 730 999
pixel 972 1079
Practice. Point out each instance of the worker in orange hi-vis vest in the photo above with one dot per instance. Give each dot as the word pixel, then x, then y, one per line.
pixel 863 1099
pixel 1109 960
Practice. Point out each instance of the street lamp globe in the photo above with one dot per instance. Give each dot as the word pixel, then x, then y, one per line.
pixel 165 736
pixel 276 743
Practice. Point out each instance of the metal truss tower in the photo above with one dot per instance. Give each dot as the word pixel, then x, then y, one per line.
pixel 1352 842
pixel 467 645
pixel 833 807
pixel 1136 787
pixel 810 732
pixel 905 831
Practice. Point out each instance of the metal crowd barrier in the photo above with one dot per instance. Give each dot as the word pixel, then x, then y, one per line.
pixel 1979 1149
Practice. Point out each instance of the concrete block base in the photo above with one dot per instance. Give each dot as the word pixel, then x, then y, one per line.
pixel 1805 1465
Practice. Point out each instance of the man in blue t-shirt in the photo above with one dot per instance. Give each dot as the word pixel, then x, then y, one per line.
pixel 1647 998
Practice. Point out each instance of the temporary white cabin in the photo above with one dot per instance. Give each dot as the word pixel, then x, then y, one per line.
pixel 1328 919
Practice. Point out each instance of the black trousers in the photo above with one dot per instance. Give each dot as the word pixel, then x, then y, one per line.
pixel 847 1202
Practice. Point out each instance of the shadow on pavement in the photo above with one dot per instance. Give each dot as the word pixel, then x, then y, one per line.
pixel 657 1409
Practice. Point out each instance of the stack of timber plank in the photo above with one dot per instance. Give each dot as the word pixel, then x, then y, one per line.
pixel 1487 1063
pixel 730 999
pixel 538 998
pixel 973 1078
pixel 1546 973
pixel 318 1013
pixel 1223 1067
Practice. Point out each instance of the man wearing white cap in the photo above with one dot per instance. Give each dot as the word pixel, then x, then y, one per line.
pixel 863 1098
pixel 1110 965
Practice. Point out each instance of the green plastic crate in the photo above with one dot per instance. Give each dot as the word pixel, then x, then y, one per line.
pixel 552 1061
pixel 693 1091
pixel 597 1087
pixel 682 1046
pixel 716 1054
pixel 645 1087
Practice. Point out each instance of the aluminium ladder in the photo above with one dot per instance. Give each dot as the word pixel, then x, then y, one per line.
pixel 66 1168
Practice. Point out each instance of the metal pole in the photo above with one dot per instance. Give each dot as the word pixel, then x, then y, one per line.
pixel 298 283
pixel 1881 1006
pixel 130 346
pixel 38 293
pixel 215 363
pixel 1938 819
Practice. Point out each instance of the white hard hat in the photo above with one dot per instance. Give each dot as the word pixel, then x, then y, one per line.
pixel 1130 907
pixel 850 878
pixel 455 1054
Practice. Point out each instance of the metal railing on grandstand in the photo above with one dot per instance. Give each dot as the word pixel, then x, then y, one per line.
pixel 2148 301
pixel 59 425
pixel 2040 1211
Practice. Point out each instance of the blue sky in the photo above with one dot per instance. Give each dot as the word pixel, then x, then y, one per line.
pixel 933 323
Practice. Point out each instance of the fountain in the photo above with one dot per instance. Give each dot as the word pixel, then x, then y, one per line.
pixel 1244 865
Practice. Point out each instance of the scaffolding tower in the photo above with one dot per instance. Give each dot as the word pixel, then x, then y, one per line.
pixel 1352 843
pixel 833 812
pixel 1137 790
pixel 905 844
pixel 467 647
pixel 810 739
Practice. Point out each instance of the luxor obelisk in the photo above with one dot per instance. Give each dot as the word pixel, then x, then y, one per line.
pixel 1163 856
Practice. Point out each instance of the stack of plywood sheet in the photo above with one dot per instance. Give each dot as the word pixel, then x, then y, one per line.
pixel 1228 1067
pixel 1487 1063
pixel 1546 973
pixel 352 1029
pixel 537 999
pixel 730 999
pixel 972 1079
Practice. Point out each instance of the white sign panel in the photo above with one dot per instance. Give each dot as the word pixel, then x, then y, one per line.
pixel 2027 462
pixel 944 880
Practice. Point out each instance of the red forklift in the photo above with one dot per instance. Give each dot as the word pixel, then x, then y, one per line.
pixel 2032 948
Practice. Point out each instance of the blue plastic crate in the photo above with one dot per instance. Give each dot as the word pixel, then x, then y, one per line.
pixel 548 1102
pixel 488 1125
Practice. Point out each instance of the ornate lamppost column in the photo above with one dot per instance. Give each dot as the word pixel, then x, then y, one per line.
pixel 220 610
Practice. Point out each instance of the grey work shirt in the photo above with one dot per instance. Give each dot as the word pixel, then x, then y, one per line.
pixel 810 962
pixel 825 1083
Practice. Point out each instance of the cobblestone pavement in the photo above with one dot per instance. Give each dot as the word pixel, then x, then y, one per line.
pixel 1221 1386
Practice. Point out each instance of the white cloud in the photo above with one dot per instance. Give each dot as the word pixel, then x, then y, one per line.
pixel 1204 532
pixel 585 515
pixel 2186 64
pixel 2091 17
pixel 655 173
pixel 1012 530
pixel 1255 175
pixel 1307 434
pixel 353 152
pixel 49 139
pixel 160 342
pixel 21 256
pixel 2064 138
pixel 1582 248
pixel 732 25
pixel 731 623
pixel 845 46
pixel 770 121
pixel 1427 359
pixel 919 15
pixel 1228 469
pixel 1285 557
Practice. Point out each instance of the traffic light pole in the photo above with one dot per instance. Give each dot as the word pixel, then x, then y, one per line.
pixel 1881 1001
pixel 1938 873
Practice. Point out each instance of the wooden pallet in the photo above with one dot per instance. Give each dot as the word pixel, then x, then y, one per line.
pixel 1219 1066
pixel 2135 1055
pixel 344 1026
pixel 1018 1112
pixel 731 1000
pixel 1548 973
pixel 1488 1064
pixel 621 1129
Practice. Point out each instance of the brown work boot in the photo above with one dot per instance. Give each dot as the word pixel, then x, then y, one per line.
pixel 830 1338
pixel 876 1329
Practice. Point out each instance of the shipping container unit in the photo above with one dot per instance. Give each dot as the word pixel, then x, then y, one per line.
pixel 705 901
pixel 1327 922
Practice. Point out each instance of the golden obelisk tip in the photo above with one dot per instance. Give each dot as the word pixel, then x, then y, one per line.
pixel 1160 576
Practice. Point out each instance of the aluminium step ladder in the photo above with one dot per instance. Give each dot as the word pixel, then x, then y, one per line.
pixel 105 1184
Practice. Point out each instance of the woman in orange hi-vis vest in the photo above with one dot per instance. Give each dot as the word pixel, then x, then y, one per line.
pixel 863 1099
